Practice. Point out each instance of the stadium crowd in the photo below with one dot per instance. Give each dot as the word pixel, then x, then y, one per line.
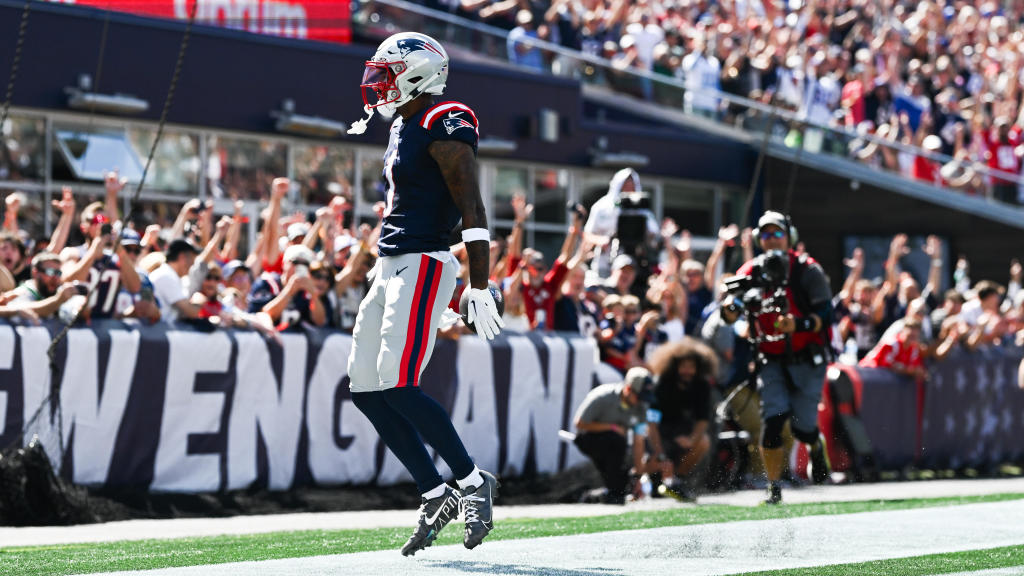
pixel 940 77
pixel 639 291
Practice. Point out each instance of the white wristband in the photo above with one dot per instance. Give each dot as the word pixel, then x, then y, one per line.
pixel 474 234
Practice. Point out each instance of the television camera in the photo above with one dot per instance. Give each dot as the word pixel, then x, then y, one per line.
pixel 762 291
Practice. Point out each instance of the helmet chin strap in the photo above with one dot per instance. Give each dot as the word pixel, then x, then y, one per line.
pixel 359 126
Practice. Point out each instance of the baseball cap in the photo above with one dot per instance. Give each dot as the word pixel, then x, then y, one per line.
pixel 297 230
pixel 234 266
pixel 772 218
pixel 343 242
pixel 621 261
pixel 299 252
pixel 130 237
pixel 638 379
pixel 179 246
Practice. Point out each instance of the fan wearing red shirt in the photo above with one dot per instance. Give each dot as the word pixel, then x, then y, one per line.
pixel 542 286
pixel 1002 155
pixel 925 168
pixel 902 354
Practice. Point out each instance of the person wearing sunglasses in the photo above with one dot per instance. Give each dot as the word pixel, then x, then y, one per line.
pixel 45 291
pixel 207 295
pixel 99 264
pixel 288 299
pixel 793 349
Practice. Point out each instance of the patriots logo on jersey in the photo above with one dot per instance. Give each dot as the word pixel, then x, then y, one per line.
pixel 454 121
pixel 413 44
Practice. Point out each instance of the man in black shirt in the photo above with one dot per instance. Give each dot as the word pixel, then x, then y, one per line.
pixel 685 372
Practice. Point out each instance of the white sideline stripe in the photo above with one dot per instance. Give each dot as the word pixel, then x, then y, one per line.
pixel 1014 571
pixel 701 550
pixel 197 527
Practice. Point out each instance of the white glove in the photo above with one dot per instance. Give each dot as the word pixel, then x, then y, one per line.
pixel 449 318
pixel 482 313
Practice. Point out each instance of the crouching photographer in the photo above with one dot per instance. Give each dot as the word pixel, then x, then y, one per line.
pixel 787 300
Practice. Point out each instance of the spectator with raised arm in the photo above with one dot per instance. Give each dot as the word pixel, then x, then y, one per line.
pixel 350 282
pixel 288 298
pixel 98 263
pixel 229 251
pixel 541 286
pixel 66 205
pixel 12 257
pixel 206 259
pixel 12 205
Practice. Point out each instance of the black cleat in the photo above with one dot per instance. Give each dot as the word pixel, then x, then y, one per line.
pixel 821 468
pixel 478 505
pixel 435 514
pixel 774 494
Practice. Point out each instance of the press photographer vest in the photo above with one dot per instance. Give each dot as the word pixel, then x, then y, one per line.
pixel 799 307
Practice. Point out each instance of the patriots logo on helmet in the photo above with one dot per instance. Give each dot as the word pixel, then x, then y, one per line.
pixel 407 45
pixel 452 124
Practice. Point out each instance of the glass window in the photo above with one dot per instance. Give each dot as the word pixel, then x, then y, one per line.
pixel 159 212
pixel 176 162
pixel 323 171
pixel 507 182
pixel 23 156
pixel 691 207
pixel 595 185
pixel 551 191
pixel 90 155
pixel 244 168
pixel 374 186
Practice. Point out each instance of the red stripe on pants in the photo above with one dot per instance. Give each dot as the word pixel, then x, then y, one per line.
pixel 411 331
pixel 430 313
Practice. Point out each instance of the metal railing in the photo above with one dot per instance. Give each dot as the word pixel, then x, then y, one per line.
pixel 755 120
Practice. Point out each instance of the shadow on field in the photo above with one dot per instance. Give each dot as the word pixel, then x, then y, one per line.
pixel 515 570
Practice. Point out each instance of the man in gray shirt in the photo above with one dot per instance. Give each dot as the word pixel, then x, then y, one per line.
pixel 603 422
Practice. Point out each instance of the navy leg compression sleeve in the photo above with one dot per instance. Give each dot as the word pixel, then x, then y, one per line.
pixel 401 437
pixel 434 424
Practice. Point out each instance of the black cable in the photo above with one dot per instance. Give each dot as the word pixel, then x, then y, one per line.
pixel 757 168
pixel 55 372
pixel 22 27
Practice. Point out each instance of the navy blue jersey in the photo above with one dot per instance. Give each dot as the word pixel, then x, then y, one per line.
pixel 420 214
pixel 105 280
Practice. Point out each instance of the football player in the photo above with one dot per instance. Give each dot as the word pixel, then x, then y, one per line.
pixel 431 173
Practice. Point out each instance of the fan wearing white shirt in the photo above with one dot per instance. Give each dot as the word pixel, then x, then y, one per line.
pixel 168 285
pixel 702 76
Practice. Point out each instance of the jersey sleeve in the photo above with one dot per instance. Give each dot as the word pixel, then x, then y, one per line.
pixel 452 121
pixel 260 295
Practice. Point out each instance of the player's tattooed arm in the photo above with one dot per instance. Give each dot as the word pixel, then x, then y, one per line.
pixel 459 168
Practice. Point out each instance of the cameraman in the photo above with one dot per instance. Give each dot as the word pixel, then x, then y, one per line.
pixel 621 222
pixel 791 337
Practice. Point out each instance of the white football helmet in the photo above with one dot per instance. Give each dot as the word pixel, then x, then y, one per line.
pixel 403 67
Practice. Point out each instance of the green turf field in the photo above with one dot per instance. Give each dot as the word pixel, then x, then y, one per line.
pixel 150 554
pixel 916 565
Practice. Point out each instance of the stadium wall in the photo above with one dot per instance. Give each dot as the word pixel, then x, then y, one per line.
pixel 175 410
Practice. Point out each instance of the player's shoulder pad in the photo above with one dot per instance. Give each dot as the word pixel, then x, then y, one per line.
pixel 451 120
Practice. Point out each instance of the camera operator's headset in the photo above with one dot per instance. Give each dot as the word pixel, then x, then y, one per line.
pixel 772 217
